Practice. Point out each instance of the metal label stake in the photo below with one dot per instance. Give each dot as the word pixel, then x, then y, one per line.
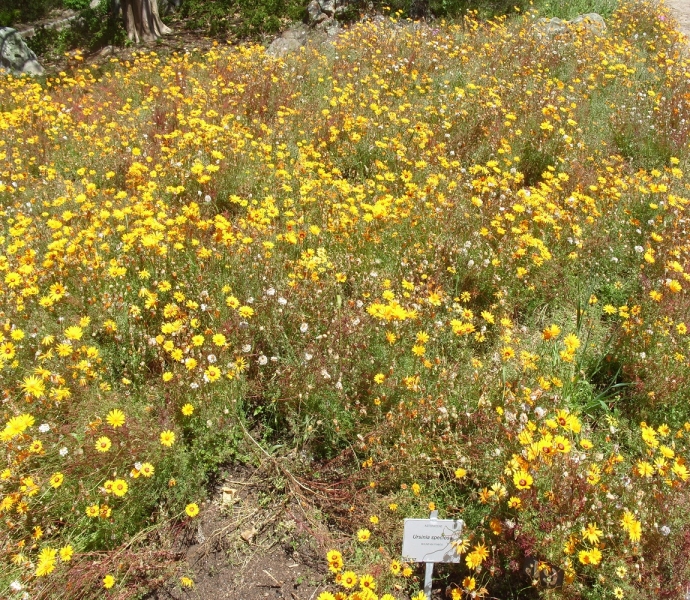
pixel 427 579
pixel 429 572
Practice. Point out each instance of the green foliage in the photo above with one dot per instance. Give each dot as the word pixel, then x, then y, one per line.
pixel 76 4
pixel 93 29
pixel 241 18
pixel 19 11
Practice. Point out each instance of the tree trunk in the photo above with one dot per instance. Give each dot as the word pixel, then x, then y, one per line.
pixel 142 21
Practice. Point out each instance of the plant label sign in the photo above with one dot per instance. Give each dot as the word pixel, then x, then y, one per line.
pixel 430 540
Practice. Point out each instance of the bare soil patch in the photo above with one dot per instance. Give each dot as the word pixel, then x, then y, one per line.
pixel 252 542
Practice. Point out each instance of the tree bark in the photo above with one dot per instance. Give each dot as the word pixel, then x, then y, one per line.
pixel 142 21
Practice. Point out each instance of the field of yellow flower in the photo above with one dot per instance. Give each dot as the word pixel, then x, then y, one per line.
pixel 454 258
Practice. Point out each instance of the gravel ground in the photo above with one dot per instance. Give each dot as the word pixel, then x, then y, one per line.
pixel 681 10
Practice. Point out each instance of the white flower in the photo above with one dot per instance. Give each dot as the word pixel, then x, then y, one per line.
pixel 63 451
pixel 262 360
pixel 44 428
pixel 665 530
pixel 137 466
pixel 194 385
pixel 639 249
pixel 308 356
pixel 211 358
pixel 207 198
pixel 270 292
pixel 15 586
pixel 282 301
pixel 303 327
pixel 247 348
pixel 539 412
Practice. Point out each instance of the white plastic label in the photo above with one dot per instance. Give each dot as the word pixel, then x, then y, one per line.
pixel 430 540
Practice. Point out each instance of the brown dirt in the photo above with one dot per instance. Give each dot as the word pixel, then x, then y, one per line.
pixel 253 543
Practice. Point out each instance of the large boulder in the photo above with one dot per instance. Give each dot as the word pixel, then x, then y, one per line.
pixel 555 27
pixel 315 14
pixel 321 35
pixel 168 6
pixel 291 41
pixel 592 22
pixel 15 55
pixel 551 27
pixel 319 11
pixel 327 6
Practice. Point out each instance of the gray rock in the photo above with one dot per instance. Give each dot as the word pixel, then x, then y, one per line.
pixel 66 18
pixel 167 6
pixel 101 54
pixel 16 55
pixel 314 12
pixel 280 47
pixel 333 28
pixel 322 35
pixel 591 21
pixel 330 27
pixel 327 6
pixel 291 41
pixel 298 32
pixel 94 3
pixel 551 27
